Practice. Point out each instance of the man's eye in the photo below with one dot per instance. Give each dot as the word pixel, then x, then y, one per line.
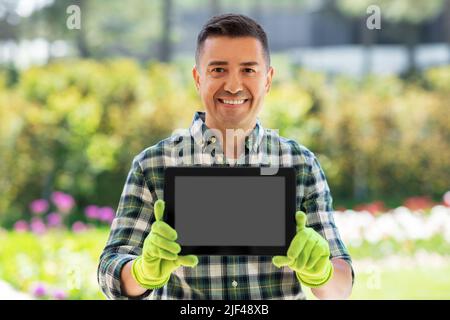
pixel 220 70
pixel 249 70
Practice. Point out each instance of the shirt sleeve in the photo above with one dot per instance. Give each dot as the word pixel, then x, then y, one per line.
pixel 317 204
pixel 129 229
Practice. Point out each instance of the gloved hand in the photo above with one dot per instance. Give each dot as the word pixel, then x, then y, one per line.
pixel 159 256
pixel 308 255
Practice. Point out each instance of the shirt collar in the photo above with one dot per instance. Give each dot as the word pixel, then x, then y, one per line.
pixel 198 128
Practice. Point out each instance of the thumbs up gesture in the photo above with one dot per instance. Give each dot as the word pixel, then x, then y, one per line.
pixel 308 255
pixel 159 256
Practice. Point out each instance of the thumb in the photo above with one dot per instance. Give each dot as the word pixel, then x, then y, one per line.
pixel 280 261
pixel 187 261
pixel 300 219
pixel 159 209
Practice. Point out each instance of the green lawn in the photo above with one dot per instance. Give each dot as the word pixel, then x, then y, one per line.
pixel 58 257
pixel 420 283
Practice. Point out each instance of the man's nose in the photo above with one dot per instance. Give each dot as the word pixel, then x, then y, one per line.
pixel 233 84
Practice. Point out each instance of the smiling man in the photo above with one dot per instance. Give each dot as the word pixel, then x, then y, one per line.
pixel 141 259
pixel 232 74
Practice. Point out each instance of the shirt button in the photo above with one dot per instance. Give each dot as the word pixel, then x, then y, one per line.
pixel 234 283
pixel 213 139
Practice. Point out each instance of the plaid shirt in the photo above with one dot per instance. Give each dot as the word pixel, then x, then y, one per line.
pixel 215 277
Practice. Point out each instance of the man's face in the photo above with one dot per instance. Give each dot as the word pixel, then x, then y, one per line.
pixel 232 78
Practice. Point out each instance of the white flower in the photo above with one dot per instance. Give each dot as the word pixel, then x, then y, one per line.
pixel 399 224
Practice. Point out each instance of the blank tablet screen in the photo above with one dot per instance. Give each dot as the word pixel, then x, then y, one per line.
pixel 230 211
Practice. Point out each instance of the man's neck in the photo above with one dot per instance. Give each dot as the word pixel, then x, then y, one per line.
pixel 233 139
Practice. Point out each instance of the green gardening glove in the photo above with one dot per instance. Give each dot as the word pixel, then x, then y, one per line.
pixel 159 256
pixel 308 255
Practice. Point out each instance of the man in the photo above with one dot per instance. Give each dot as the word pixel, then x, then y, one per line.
pixel 140 261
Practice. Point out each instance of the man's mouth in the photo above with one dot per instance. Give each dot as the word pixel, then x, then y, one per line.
pixel 232 102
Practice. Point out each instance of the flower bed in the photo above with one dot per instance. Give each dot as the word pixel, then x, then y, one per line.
pixel 62 264
pixel 399 224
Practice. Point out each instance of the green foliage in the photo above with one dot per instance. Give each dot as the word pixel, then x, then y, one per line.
pixel 75 126
pixel 439 79
pixel 60 260
pixel 376 138
pixel 422 283
pixel 68 261
pixel 390 247
pixel 398 136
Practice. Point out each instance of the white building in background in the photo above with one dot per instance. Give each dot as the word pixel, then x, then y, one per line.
pixel 317 37
pixel 38 51
pixel 386 59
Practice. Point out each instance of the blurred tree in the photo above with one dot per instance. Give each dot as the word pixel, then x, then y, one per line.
pixel 358 10
pixel 49 22
pixel 9 19
pixel 214 7
pixel 136 29
pixel 81 41
pixel 166 46
pixel 407 14
pixel 447 26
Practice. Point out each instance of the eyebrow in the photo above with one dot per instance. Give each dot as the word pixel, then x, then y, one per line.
pixel 223 63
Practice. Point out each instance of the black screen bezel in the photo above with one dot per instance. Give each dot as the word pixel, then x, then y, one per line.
pixel 290 206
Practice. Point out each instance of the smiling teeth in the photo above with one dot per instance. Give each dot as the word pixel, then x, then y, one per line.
pixel 233 101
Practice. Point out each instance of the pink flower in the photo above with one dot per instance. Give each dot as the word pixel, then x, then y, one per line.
pixel 446 198
pixel 39 290
pixel 64 202
pixel 79 226
pixel 374 208
pixel 106 214
pixel 39 206
pixel 59 294
pixel 54 220
pixel 38 226
pixel 418 203
pixel 21 226
pixel 92 212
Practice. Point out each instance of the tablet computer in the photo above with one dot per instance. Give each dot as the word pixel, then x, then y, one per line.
pixel 231 210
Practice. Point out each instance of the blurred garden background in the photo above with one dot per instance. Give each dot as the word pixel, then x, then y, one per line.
pixel 76 105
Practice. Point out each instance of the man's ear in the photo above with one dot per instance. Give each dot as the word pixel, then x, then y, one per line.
pixel 269 79
pixel 196 76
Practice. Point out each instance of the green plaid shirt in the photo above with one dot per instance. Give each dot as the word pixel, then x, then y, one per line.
pixel 215 277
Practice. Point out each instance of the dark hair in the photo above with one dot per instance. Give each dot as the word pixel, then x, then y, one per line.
pixel 232 25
